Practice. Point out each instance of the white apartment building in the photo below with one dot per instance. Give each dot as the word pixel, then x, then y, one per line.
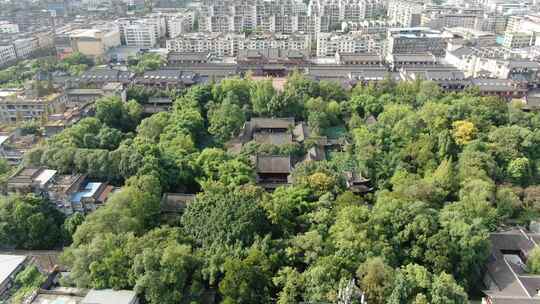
pixel 367 27
pixel 374 9
pixel 222 45
pixel 226 45
pixel 7 54
pixel 352 10
pixel 179 23
pixel 330 43
pixel 141 32
pixel 405 13
pixel 8 28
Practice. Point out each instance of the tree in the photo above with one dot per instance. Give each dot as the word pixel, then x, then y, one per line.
pixel 225 120
pixel 70 225
pixel 464 131
pixel 247 281
pixel 148 62
pixel 29 222
pixel 262 93
pixel 332 90
pixel 103 262
pixel 117 114
pixel 235 89
pixel 168 275
pixel 133 209
pixel 445 290
pixel 153 126
pixel 26 282
pixel 375 280
pixel 291 283
pixel 533 261
pixel 519 170
pixel 223 215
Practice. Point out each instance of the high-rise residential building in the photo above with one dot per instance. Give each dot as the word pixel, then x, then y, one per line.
pixel 405 13
pixel 179 23
pixel 245 16
pixel 521 31
pixel 174 23
pixel 516 40
pixel 144 32
pixel 414 40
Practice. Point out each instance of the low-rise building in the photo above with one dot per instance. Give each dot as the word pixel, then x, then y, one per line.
pixel 80 97
pixel 359 59
pixel 470 36
pixel 179 59
pixel 507 278
pixel 475 62
pixel 504 88
pixel 68 192
pixel 103 76
pixel 31 180
pixel 18 105
pixel 412 60
pixel 13 147
pixel 272 171
pixel 167 78
pixel 56 123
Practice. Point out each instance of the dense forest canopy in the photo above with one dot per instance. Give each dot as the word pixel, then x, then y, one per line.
pixel 447 168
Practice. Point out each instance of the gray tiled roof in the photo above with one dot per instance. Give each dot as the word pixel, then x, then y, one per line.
pixel 273 164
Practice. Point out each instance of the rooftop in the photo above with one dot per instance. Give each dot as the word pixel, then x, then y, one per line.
pixel 88 191
pixel 273 164
pixel 109 296
pixel 175 202
pixel 8 264
pixel 58 296
pixel 511 283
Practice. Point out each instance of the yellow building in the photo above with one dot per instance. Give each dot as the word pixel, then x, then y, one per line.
pixel 94 42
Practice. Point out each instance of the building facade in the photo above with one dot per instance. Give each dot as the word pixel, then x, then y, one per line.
pixel 7 54
pixel 415 40
pixel 405 13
